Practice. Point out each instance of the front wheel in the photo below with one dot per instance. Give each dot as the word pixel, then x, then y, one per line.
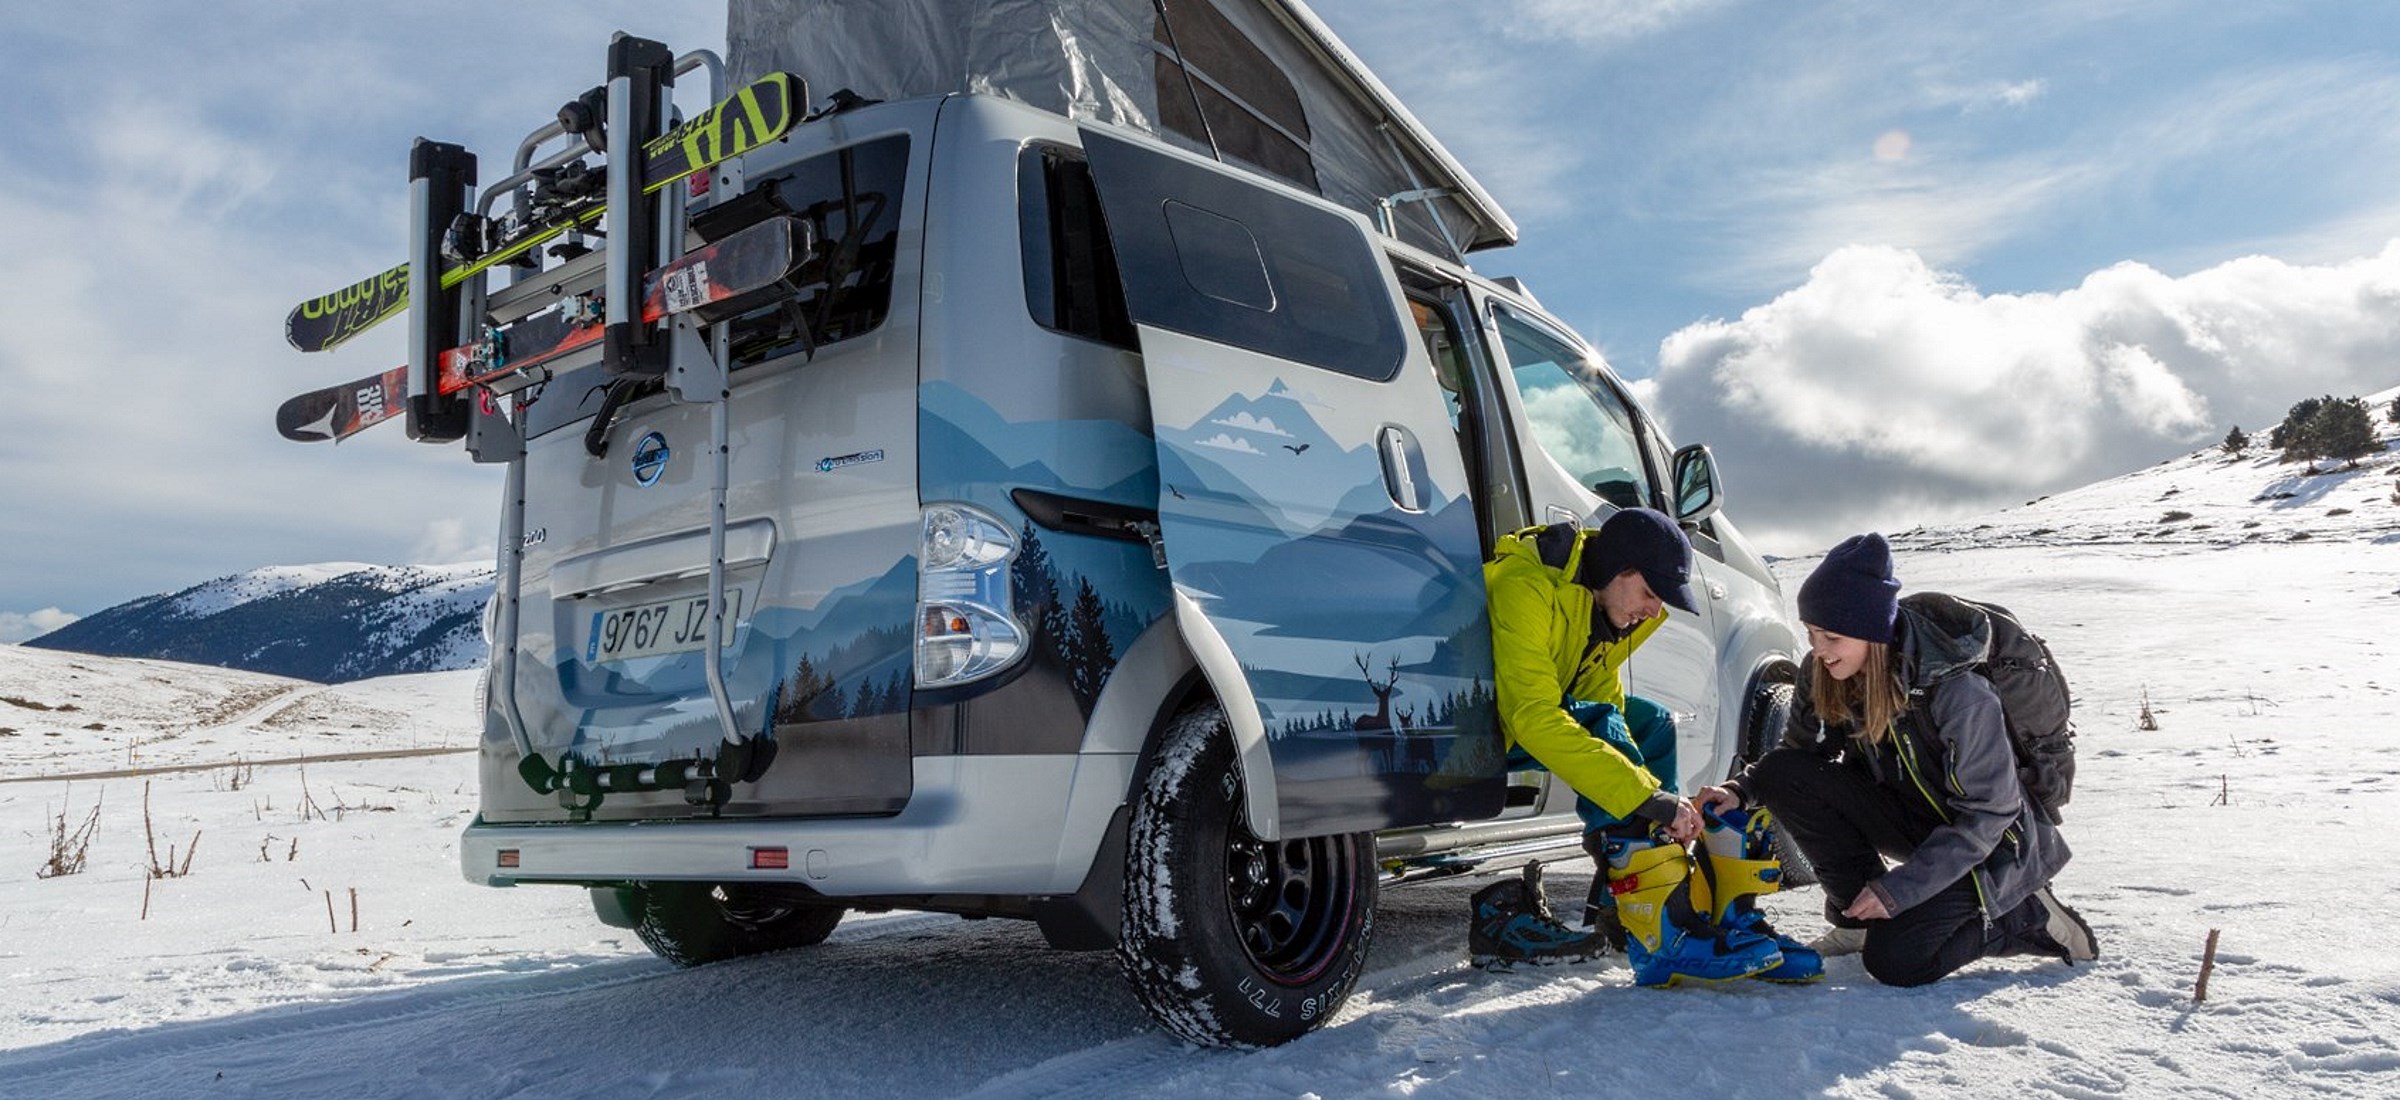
pixel 691 923
pixel 1230 940
pixel 1769 714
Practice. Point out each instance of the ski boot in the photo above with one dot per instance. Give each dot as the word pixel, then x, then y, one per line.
pixel 1738 864
pixel 1511 923
pixel 1667 939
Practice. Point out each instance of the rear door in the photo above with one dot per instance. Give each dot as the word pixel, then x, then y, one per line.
pixel 1315 511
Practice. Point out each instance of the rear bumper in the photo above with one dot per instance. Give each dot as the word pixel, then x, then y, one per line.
pixel 1025 825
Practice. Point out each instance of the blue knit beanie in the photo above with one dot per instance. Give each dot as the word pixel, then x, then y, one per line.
pixel 1853 592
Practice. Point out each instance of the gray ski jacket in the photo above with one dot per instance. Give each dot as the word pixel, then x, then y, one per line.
pixel 1950 752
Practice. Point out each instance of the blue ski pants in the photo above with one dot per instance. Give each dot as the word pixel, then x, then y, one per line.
pixel 1643 733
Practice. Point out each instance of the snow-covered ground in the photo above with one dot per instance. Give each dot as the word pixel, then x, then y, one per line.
pixel 2258 807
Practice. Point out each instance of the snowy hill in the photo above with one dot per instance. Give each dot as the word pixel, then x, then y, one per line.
pixel 2206 498
pixel 69 713
pixel 330 623
pixel 2268 664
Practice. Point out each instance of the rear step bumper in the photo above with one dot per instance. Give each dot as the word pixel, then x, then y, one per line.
pixel 974 824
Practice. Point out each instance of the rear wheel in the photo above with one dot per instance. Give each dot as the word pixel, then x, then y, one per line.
pixel 690 923
pixel 1770 712
pixel 1230 940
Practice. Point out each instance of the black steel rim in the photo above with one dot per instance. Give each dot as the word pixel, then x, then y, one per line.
pixel 1291 901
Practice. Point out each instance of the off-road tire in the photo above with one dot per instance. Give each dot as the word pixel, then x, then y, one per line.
pixel 692 923
pixel 1230 940
pixel 1770 712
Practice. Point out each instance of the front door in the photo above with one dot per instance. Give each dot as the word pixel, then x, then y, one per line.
pixel 1314 508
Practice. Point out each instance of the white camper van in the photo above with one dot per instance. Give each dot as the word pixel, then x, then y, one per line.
pixel 1084 526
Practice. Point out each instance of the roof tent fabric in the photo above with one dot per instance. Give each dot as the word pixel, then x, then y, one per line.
pixel 1259 83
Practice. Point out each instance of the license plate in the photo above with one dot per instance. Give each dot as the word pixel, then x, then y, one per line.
pixel 655 629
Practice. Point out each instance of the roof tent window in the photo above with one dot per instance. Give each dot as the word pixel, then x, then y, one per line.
pixel 1218 88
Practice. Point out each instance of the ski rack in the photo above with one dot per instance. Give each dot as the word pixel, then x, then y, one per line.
pixel 647 231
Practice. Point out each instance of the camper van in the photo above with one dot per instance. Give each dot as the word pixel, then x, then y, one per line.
pixel 1083 523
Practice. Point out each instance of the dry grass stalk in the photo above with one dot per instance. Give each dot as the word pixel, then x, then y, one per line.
pixel 2208 963
pixel 69 847
pixel 169 869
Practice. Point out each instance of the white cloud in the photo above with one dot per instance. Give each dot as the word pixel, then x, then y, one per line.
pixel 2019 94
pixel 450 539
pixel 1224 442
pixel 155 233
pixel 1607 22
pixel 16 626
pixel 1250 423
pixel 1884 391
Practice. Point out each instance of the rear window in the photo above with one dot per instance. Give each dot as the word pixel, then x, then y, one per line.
pixel 851 198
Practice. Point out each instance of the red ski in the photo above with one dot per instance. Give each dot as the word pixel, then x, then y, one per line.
pixel 724 274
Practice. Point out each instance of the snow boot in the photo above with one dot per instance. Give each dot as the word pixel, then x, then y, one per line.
pixel 1839 940
pixel 1667 940
pixel 1737 864
pixel 1511 923
pixel 2063 931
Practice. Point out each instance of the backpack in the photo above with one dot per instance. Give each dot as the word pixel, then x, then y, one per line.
pixel 2034 696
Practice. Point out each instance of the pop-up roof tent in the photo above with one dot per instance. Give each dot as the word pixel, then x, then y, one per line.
pixel 1259 83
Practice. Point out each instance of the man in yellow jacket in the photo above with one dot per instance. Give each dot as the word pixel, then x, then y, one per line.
pixel 1569 606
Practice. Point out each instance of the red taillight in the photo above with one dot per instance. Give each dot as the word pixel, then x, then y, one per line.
pixel 770 859
pixel 508 857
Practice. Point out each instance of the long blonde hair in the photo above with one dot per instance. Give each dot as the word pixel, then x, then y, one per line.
pixel 1871 699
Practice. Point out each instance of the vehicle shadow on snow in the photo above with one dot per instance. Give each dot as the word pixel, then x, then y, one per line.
pixel 933 1007
pixel 930 1006
pixel 1455 1030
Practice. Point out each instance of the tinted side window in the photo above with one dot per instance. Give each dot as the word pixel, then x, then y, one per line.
pixel 1071 282
pixel 1576 417
pixel 1212 255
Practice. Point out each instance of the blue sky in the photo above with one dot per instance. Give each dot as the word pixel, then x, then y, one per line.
pixel 1895 261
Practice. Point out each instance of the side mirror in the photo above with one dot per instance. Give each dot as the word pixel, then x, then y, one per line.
pixel 1696 495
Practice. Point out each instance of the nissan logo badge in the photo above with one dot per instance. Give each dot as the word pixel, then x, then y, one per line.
pixel 650 459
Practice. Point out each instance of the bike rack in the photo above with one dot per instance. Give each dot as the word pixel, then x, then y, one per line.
pixel 504 440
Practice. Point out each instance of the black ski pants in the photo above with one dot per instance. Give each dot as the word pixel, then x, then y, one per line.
pixel 1847 824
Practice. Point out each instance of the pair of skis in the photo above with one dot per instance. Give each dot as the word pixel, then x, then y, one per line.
pixel 759 113
pixel 743 264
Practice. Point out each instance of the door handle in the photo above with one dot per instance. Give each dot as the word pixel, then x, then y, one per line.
pixel 1401 464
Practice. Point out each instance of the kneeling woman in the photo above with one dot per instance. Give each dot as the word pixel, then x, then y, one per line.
pixel 1897 750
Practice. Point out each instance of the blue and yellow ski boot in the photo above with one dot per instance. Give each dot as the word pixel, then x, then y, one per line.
pixel 1668 940
pixel 1737 864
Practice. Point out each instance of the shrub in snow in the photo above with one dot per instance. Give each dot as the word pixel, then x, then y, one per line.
pixel 2283 437
pixel 2235 441
pixel 2326 427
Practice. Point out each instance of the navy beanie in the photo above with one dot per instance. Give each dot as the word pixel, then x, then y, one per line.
pixel 1853 592
pixel 1646 540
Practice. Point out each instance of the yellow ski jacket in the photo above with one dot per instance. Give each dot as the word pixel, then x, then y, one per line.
pixel 1544 653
